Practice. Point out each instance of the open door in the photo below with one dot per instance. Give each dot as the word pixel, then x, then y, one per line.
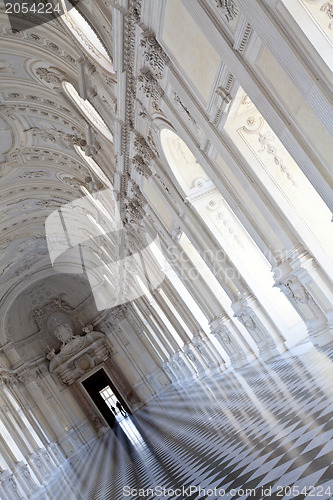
pixel 94 385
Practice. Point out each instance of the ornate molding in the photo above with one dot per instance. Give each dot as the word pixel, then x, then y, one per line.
pixel 255 126
pixel 154 55
pixel 143 149
pixel 246 320
pixel 298 294
pixel 266 139
pixel 41 42
pixel 56 305
pixel 6 67
pixel 141 166
pixel 249 318
pixel 134 207
pixel 56 136
pixel 243 37
pixel 78 354
pixel 151 88
pixel 52 77
pixel 186 112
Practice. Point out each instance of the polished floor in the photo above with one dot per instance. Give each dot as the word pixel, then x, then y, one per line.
pixel 265 431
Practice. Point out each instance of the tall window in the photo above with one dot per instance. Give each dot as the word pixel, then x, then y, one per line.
pixel 222 222
pixel 280 175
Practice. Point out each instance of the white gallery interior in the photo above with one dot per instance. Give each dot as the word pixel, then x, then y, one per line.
pixel 166 212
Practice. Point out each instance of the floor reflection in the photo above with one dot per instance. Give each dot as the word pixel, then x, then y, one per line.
pixel 132 432
pixel 267 429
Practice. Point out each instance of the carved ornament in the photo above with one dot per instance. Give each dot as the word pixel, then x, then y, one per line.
pixel 328 8
pixel 78 354
pixel 51 76
pixel 154 55
pixel 56 305
pixel 228 8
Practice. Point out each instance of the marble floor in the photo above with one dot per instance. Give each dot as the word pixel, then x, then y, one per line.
pixel 264 431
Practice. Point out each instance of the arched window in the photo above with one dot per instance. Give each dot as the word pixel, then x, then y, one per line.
pixel 240 248
pixel 280 175
pixel 88 110
pixel 86 35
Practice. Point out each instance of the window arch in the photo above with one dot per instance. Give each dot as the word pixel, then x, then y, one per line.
pixel 88 110
pixel 85 35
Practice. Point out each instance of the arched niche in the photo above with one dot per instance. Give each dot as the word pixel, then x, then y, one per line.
pixel 248 260
pixel 274 168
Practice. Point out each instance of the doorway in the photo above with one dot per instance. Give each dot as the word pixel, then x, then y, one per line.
pixel 105 396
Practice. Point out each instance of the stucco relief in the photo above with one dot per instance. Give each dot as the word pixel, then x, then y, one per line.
pixel 64 332
pixel 151 88
pixel 57 136
pixel 185 112
pixel 52 77
pixel 6 67
pixel 327 7
pixel 78 353
pixel 56 305
pixel 266 139
pixel 254 125
pixel 229 9
pixel 304 302
pixel 254 326
pixel 141 166
pixel 154 55
pixel 40 41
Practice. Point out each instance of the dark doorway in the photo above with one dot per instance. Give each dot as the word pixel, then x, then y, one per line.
pixel 96 383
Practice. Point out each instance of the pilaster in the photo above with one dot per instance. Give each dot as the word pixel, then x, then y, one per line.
pixel 309 290
pixel 268 339
pixel 220 328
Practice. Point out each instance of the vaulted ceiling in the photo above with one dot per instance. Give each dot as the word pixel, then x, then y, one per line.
pixel 40 169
